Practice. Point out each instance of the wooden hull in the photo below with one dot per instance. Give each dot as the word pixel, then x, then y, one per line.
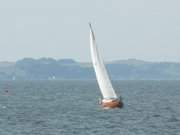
pixel 111 103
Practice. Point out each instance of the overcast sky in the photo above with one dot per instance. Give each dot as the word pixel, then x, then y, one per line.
pixel 141 29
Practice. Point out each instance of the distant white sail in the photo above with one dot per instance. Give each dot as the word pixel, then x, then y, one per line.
pixel 100 70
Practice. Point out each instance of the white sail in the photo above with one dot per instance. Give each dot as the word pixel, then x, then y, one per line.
pixel 100 70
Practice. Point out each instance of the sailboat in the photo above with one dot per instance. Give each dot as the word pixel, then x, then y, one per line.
pixel 110 98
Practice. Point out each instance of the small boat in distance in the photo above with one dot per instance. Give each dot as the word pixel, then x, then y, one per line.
pixel 110 99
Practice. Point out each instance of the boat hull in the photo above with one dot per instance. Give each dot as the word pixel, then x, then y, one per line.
pixel 111 103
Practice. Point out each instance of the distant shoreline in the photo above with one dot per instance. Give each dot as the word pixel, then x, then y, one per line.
pixel 87 62
pixel 69 69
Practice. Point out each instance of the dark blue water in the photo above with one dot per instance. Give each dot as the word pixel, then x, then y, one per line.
pixel 71 108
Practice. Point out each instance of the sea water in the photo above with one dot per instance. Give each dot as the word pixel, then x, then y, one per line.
pixel 71 108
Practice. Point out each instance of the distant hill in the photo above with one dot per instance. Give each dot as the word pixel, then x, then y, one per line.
pixel 49 68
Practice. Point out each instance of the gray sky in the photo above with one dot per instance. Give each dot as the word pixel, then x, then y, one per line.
pixel 141 29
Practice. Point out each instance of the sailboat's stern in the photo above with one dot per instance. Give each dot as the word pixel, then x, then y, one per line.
pixel 112 103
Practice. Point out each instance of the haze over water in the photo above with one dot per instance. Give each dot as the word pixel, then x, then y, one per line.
pixel 71 107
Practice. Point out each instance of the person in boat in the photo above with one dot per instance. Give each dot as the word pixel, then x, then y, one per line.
pixel 100 101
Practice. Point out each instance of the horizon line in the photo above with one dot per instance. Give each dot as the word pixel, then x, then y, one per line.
pixel 107 61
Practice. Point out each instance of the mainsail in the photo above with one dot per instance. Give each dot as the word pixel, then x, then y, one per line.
pixel 100 70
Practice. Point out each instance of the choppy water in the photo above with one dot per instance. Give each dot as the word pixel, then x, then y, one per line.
pixel 71 108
